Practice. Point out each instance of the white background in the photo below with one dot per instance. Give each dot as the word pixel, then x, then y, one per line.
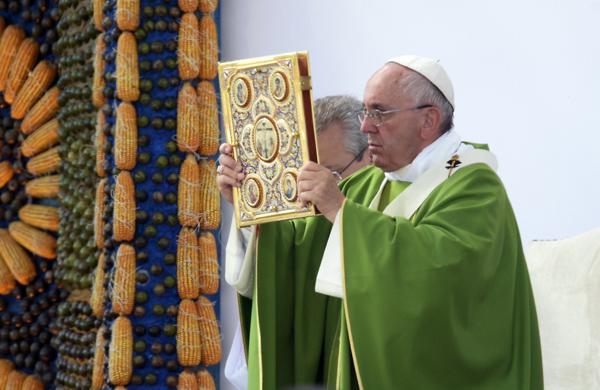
pixel 526 77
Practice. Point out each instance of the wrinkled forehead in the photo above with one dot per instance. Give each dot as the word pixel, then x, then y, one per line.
pixel 385 87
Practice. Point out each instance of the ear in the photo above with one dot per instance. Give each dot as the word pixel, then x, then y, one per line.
pixel 430 125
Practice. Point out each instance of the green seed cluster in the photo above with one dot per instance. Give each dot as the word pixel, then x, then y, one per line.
pixel 77 255
pixel 75 334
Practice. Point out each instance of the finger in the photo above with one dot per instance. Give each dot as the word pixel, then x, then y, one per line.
pixel 306 197
pixel 311 166
pixel 232 173
pixel 225 148
pixel 307 184
pixel 309 174
pixel 315 178
pixel 226 182
pixel 230 163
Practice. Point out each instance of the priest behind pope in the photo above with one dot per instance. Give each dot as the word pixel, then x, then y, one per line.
pixel 414 276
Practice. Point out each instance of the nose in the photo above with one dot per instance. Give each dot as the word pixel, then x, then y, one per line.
pixel 367 126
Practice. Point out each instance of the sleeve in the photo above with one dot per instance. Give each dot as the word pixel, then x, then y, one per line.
pixel 239 259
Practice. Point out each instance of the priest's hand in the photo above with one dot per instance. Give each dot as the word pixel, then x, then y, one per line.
pixel 229 172
pixel 318 186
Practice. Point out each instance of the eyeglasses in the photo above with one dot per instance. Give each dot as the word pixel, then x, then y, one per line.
pixel 338 174
pixel 378 116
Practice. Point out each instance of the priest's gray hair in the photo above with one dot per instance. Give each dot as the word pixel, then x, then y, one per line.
pixel 424 92
pixel 343 109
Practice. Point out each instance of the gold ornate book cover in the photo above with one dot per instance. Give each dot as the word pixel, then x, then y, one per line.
pixel 268 118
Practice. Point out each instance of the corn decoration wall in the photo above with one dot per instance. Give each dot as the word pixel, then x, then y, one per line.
pixel 157 207
pixel 108 199
pixel 30 176
pixel 198 204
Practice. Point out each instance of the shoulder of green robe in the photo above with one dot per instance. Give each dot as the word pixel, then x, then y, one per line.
pixel 361 183
pixel 474 177
pixel 476 145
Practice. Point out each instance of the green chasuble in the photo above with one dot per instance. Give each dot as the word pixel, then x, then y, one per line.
pixel 440 301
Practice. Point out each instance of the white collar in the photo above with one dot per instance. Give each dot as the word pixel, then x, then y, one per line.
pixel 440 150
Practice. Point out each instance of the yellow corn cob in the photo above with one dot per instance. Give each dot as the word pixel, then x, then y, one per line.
pixel 98 14
pixel 22 64
pixel 41 139
pixel 209 332
pixel 208 6
pixel 9 43
pixel 43 187
pixel 188 5
pixel 120 353
pixel 41 112
pixel 99 214
pixel 188 192
pixel 188 49
pixel 6 366
pixel 124 208
pixel 189 347
pixel 188 264
pixel 209 48
pixel 99 360
pixel 128 14
pixel 187 381
pixel 15 380
pixel 98 290
pixel 32 383
pixel 45 162
pixel 210 200
pixel 123 293
pixel 98 84
pixel 100 143
pixel 205 380
pixel 126 137
pixel 38 242
pixel 43 217
pixel 128 76
pixel 16 259
pixel 188 119
pixel 209 118
pixel 6 172
pixel 36 84
pixel 7 281
pixel 209 264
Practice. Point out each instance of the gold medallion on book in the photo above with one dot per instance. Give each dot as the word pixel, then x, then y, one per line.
pixel 268 118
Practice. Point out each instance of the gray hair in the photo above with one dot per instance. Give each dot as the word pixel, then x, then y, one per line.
pixel 343 109
pixel 424 92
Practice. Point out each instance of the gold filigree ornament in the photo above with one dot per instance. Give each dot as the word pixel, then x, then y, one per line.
pixel 241 92
pixel 252 192
pixel 289 186
pixel 279 85
pixel 263 106
pixel 287 136
pixel 265 137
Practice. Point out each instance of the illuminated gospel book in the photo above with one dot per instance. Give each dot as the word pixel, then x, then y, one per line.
pixel 268 118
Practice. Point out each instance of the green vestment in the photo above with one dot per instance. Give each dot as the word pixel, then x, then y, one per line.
pixel 440 301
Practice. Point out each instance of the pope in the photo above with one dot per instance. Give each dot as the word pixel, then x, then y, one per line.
pixel 414 275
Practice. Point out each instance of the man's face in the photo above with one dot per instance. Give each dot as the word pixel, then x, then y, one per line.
pixel 332 151
pixel 395 143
